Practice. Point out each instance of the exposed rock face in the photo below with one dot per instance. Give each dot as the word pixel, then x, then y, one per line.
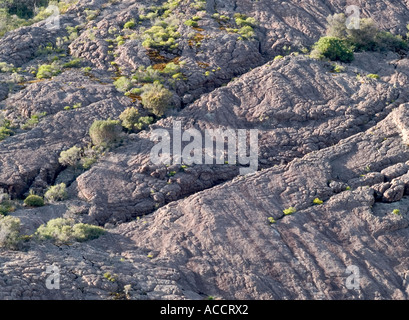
pixel 188 232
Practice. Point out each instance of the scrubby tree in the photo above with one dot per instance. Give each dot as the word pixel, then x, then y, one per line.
pixel 70 157
pixel 105 133
pixel 10 237
pixel 129 118
pixel 62 230
pixel 156 98
pixel 333 49
pixel 56 193
pixel 337 26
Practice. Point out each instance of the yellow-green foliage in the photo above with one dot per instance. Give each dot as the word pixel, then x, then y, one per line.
pixel 62 230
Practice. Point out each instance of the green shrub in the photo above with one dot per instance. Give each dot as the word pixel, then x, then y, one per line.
pixel 191 23
pixel 244 21
pixel 87 69
pixel 162 36
pixel 74 63
pixel 373 76
pixel 364 38
pixel 123 84
pixel 289 211
pixel 147 75
pixel 105 133
pixel 143 123
pixel 70 157
pixel 246 32
pixel 48 71
pixel 6 207
pixel 367 38
pixel 5 67
pixel 396 212
pixel 271 220
pixel 5 130
pixel 388 41
pixel 337 26
pixel 132 121
pixel 318 201
pixel 129 118
pixel 129 25
pixel 333 49
pixel 156 98
pixel 33 121
pixel 62 230
pixel 10 237
pixel 56 193
pixel 34 201
pixel 279 57
pixel 338 69
pixel 171 69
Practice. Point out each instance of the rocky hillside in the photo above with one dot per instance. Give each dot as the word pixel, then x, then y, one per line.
pixel 332 186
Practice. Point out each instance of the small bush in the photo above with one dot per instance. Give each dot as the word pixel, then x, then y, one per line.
pixel 62 230
pixel 129 25
pixel 289 211
pixel 129 118
pixel 271 220
pixel 143 123
pixel 74 63
pixel 191 23
pixel 333 49
pixel 5 67
pixel 161 37
pixel 5 130
pixel 279 57
pixel 318 201
pixel 33 121
pixel 10 232
pixel 338 69
pixel 123 84
pixel 34 201
pixel 367 38
pixel 105 133
pixel 56 193
pixel 6 207
pixel 156 98
pixel 243 21
pixel 70 157
pixel 373 76
pixel 246 32
pixel 48 71
pixel 396 212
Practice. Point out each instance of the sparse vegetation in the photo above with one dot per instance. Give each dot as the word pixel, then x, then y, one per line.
pixel 123 84
pixel 161 36
pixel 65 231
pixel 48 70
pixel 34 200
pixel 70 157
pixel 156 98
pixel 10 237
pixel 396 212
pixel 74 63
pixel 367 38
pixel 105 133
pixel 333 49
pixel 318 201
pixel 289 211
pixel 129 25
pixel 5 128
pixel 373 76
pixel 33 121
pixel 132 121
pixel 56 193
